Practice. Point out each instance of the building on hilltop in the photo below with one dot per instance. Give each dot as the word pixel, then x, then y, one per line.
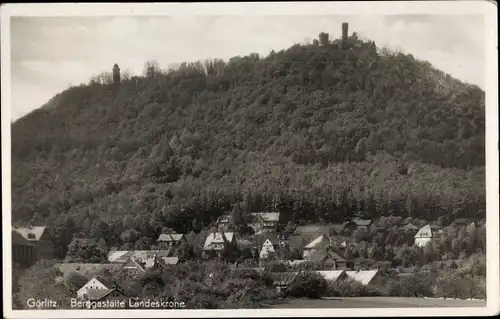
pixel 323 39
pixel 116 75
pixel 36 237
pixel 345 30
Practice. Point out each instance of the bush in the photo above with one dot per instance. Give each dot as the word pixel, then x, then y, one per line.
pixel 455 285
pixel 277 266
pixel 411 285
pixel 350 288
pixel 74 281
pixel 308 284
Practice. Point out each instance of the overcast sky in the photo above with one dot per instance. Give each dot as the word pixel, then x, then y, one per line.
pixel 50 54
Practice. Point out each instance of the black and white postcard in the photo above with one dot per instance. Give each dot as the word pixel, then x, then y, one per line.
pixel 250 159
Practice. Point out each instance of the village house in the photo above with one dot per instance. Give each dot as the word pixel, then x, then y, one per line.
pixel 268 244
pixel 23 252
pixel 146 258
pixel 366 277
pixel 330 259
pixel 95 290
pixel 269 248
pixel 170 240
pixel 39 238
pixel 218 242
pixel 319 243
pixel 427 234
pixel 91 284
pixel 357 223
pixel 333 275
pixel 264 222
pixel 133 268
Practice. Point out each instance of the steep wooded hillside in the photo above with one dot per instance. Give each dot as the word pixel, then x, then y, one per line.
pixel 316 132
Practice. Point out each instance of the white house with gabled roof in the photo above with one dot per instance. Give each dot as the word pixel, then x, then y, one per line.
pixel 216 242
pixel 427 234
pixel 267 250
pixel 92 284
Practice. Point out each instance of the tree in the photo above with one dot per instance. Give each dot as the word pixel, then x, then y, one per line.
pixel 143 243
pixel 61 232
pixel 332 232
pixel 101 229
pixel 130 236
pixel 412 285
pixel 128 222
pixel 185 252
pixel 85 250
pixel 374 252
pixel 74 281
pixel 308 284
pixel 38 282
pixel 237 215
pixel 102 245
pixel 151 69
pixel 36 219
pixel 87 224
pixel 361 235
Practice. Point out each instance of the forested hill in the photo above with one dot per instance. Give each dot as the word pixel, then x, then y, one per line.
pixel 313 131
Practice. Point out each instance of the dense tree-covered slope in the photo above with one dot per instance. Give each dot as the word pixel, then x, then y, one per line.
pixel 314 131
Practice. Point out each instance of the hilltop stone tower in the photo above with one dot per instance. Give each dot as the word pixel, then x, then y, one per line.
pixel 345 30
pixel 116 75
pixel 323 39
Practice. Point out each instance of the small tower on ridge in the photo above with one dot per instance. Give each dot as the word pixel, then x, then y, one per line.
pixel 345 30
pixel 116 75
pixel 323 39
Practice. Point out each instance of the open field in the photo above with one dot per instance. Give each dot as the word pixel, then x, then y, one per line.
pixel 376 302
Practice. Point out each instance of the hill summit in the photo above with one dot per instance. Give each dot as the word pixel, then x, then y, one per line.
pixel 318 131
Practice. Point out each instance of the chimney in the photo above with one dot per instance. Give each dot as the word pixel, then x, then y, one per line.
pixel 345 30
pixel 116 74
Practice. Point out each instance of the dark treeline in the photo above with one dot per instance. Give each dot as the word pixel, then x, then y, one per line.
pixel 317 133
